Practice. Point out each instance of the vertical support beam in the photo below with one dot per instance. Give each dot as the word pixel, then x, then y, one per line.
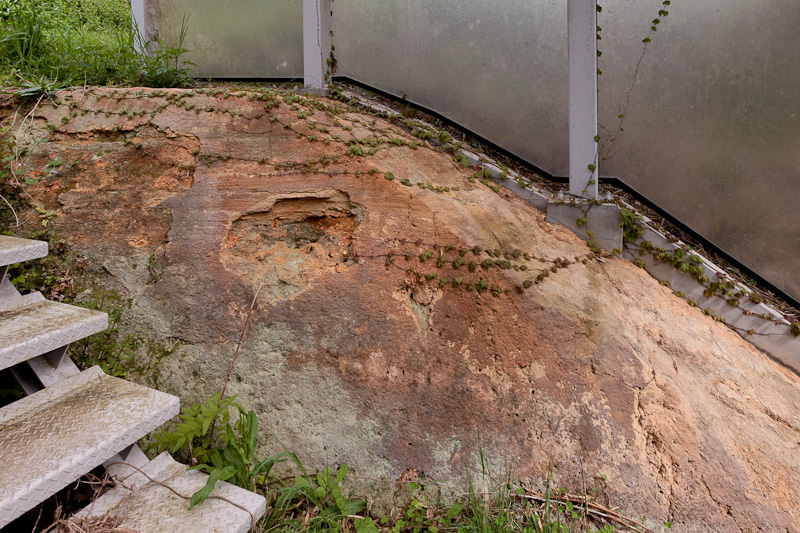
pixel 582 22
pixel 55 357
pixel 45 370
pixel 316 43
pixel 26 378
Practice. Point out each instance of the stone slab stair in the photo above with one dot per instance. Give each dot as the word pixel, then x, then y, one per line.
pixel 51 438
pixel 70 422
pixel 40 327
pixel 128 503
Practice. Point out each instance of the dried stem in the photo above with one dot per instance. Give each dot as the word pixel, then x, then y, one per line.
pixel 212 496
pixel 241 340
pixel 236 355
pixel 592 508
pixel 583 480
pixel 16 218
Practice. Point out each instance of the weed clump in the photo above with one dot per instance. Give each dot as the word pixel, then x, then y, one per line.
pixel 48 45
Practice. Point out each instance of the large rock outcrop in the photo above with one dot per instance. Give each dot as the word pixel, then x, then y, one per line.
pixel 187 201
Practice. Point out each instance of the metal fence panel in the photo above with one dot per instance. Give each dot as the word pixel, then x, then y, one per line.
pixel 235 39
pixel 711 135
pixel 498 68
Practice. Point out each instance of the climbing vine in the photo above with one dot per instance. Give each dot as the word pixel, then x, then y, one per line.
pixel 443 266
pixel 351 136
pixel 472 269
pixel 653 27
pixel 688 262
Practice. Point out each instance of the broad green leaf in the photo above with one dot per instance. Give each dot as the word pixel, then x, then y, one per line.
pixel 323 477
pixel 206 424
pixel 365 525
pixel 252 428
pixel 178 444
pixel 341 503
pixel 230 437
pixel 217 474
pixel 231 457
pixel 216 458
pixel 354 507
pixel 341 473
pixel 454 511
pixel 330 511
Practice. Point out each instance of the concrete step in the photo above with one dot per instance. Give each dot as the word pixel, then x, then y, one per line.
pixel 14 250
pixel 42 327
pixel 139 504
pixel 53 437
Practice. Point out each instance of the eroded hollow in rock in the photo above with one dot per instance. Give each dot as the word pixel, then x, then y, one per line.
pixel 297 237
pixel 328 218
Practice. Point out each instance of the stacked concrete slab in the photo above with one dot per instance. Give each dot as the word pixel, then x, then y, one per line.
pixel 71 422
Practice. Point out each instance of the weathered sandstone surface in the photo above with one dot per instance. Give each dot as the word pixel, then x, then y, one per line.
pixel 186 202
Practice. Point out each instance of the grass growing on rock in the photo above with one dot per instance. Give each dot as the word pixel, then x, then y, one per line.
pixel 318 502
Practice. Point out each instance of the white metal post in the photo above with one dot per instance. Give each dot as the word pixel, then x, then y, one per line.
pixel 582 22
pixel 316 43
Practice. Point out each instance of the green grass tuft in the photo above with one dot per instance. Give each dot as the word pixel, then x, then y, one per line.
pixel 47 45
